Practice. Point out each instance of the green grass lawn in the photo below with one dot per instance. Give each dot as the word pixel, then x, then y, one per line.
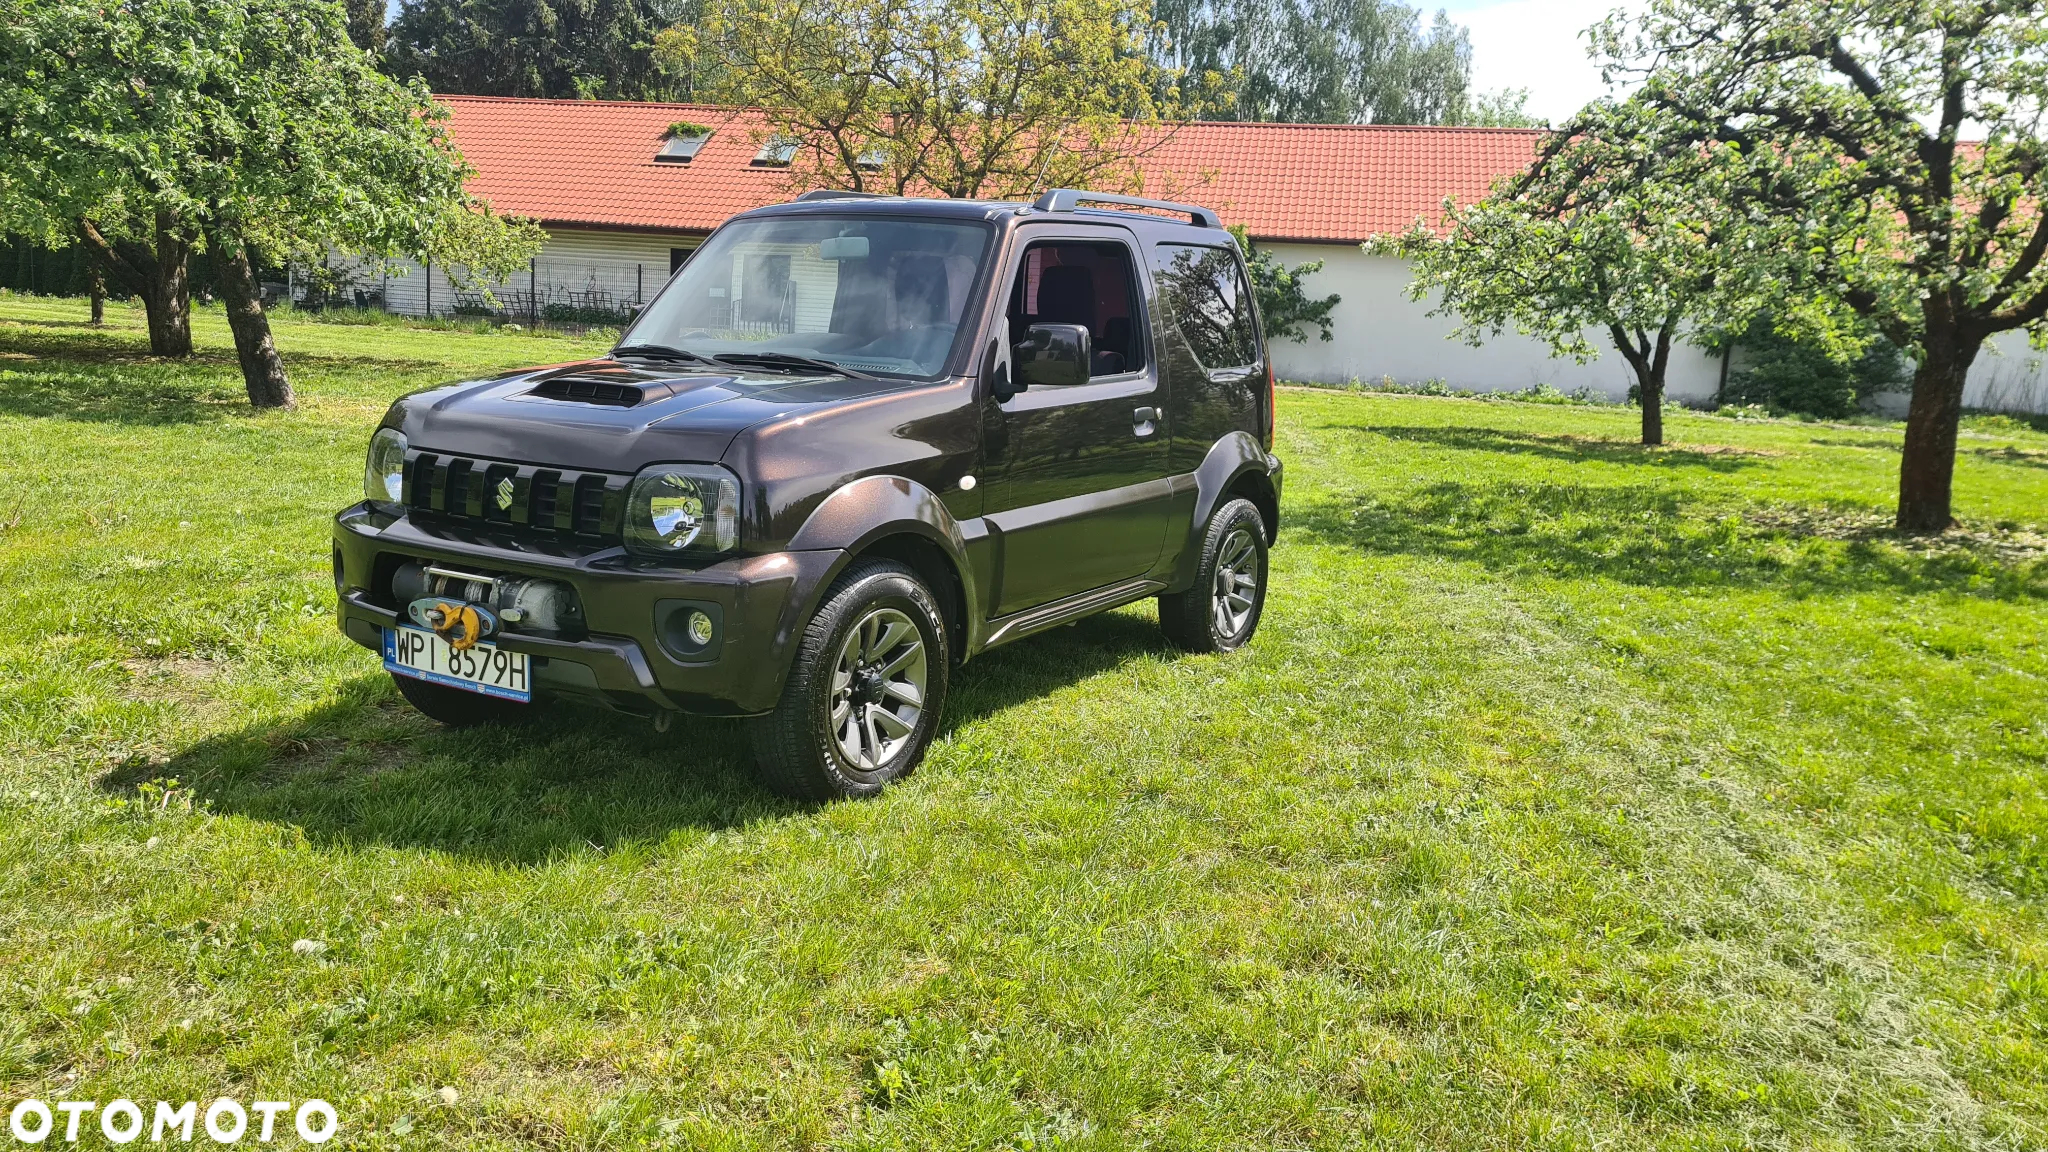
pixel 1574 795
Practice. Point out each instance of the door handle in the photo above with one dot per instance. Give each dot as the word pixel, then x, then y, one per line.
pixel 1142 420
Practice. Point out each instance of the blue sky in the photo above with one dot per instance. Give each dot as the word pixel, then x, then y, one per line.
pixel 1534 44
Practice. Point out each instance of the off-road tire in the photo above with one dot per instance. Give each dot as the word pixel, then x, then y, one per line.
pixel 798 747
pixel 459 709
pixel 1192 619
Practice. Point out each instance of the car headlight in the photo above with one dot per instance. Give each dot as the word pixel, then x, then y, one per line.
pixel 674 508
pixel 384 473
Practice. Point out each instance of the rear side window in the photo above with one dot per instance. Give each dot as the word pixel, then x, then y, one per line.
pixel 1203 292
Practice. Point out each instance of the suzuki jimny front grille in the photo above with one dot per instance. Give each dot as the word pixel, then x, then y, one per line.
pixel 491 493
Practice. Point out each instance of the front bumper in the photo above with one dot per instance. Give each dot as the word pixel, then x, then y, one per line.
pixel 762 604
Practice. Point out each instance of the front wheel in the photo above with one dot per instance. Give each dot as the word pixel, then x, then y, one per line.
pixel 1222 610
pixel 864 693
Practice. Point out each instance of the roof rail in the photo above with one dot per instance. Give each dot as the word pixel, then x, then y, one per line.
pixel 1067 199
pixel 838 194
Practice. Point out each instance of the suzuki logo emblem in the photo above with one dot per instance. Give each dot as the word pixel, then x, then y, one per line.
pixel 504 493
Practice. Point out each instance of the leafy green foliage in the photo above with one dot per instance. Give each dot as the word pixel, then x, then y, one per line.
pixel 1284 304
pixel 366 24
pixel 582 49
pixel 260 114
pixel 1904 140
pixel 1573 795
pixel 1794 372
pixel 1506 108
pixel 960 98
pixel 255 124
pixel 1319 61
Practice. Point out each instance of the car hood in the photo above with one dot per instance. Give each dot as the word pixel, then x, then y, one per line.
pixel 613 416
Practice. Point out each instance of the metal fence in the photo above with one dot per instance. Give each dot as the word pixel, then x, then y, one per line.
pixel 548 292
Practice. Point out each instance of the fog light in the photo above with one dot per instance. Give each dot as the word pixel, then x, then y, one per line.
pixel 699 626
pixel 689 630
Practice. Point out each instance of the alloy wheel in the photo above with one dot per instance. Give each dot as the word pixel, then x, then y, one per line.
pixel 1237 583
pixel 878 688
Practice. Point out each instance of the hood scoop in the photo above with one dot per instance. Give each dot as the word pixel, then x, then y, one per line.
pixel 574 389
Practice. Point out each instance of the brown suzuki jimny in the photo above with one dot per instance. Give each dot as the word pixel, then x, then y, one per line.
pixel 854 442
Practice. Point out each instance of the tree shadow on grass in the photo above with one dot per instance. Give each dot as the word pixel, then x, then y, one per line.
pixel 110 378
pixel 1571 448
pixel 2022 457
pixel 367 769
pixel 1648 534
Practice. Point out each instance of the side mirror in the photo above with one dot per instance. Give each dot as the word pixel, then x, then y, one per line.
pixel 1052 354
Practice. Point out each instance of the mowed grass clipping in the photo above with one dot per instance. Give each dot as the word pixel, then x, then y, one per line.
pixel 1573 795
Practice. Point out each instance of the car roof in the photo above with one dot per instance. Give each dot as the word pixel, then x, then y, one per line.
pixel 999 212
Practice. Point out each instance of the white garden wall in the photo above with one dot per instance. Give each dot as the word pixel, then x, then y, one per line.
pixel 1379 332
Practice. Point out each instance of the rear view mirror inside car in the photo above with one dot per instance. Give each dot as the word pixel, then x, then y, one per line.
pixel 843 248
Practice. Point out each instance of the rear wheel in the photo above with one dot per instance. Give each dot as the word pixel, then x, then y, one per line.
pixel 457 708
pixel 864 694
pixel 1222 610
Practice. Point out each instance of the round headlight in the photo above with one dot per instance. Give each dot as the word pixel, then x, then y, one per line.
pixel 683 508
pixel 384 474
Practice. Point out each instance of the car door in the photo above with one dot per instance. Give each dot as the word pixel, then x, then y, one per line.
pixel 1079 496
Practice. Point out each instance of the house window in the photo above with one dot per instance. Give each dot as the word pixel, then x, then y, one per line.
pixel 677 257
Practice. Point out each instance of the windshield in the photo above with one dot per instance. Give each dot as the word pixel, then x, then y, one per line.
pixel 874 295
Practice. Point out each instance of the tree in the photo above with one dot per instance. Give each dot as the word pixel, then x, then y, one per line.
pixel 146 256
pixel 958 97
pixel 579 49
pixel 1505 108
pixel 1857 112
pixel 248 126
pixel 366 26
pixel 1319 61
pixel 1284 305
pixel 1605 232
pixel 55 192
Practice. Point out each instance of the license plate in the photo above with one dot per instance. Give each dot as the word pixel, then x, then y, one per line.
pixel 484 667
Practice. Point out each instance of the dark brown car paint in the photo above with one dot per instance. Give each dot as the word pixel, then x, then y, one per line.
pixel 832 467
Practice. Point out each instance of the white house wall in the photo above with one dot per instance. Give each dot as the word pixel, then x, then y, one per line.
pixel 1378 332
pixel 2009 376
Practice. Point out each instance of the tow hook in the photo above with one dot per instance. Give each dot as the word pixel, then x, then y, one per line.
pixel 460 623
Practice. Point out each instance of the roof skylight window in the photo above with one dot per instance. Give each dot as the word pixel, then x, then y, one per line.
pixel 682 142
pixel 776 153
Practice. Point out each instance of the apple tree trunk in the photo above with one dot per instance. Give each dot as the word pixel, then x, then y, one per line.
pixel 1928 468
pixel 262 368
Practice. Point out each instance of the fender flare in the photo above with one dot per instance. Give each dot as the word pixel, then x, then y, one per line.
pixel 1229 459
pixel 858 514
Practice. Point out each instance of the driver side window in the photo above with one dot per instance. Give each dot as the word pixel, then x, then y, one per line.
pixel 1090 284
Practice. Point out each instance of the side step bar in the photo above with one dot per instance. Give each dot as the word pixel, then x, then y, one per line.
pixel 1022 624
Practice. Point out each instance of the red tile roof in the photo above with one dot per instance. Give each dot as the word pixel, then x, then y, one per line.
pixel 591 163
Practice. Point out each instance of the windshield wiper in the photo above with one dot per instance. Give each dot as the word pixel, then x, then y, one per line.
pixel 660 352
pixel 786 360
